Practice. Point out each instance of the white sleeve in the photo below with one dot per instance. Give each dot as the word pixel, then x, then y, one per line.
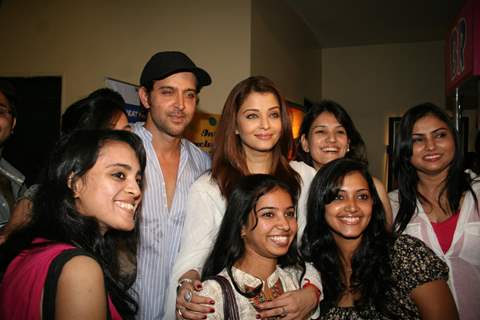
pixel 307 174
pixel 203 215
pixel 311 276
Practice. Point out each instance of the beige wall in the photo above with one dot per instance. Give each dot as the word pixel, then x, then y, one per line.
pixel 86 41
pixel 377 82
pixel 282 49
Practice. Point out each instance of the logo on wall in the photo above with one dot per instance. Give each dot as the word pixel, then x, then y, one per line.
pixel 458 39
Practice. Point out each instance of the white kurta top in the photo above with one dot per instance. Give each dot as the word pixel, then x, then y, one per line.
pixel 463 256
pixel 204 213
pixel 289 278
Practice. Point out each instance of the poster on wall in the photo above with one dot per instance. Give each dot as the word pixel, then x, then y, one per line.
pixel 202 130
pixel 129 93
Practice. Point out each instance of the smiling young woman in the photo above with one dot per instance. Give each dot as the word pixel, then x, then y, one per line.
pixel 437 201
pixel 102 109
pixel 255 249
pixel 64 262
pixel 366 271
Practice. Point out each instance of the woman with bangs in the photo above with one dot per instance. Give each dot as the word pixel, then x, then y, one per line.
pixel 254 137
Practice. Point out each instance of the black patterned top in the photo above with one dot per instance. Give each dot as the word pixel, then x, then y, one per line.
pixel 413 264
pixel 353 313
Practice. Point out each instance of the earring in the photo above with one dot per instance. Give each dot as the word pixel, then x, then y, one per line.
pixel 348 148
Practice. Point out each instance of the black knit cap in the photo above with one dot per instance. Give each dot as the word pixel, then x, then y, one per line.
pixel 166 63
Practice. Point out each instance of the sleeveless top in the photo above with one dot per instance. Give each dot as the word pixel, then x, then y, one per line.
pixel 26 277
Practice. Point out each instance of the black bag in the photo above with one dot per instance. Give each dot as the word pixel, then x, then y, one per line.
pixel 230 307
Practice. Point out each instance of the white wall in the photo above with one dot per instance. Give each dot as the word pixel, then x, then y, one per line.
pixel 86 41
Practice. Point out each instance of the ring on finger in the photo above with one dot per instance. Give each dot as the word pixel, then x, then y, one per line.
pixel 188 296
pixel 284 312
pixel 180 313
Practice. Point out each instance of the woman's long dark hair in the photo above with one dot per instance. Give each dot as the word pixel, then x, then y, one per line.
pixel 228 160
pixel 229 246
pixel 370 263
pixel 55 217
pixel 457 181
pixel 356 145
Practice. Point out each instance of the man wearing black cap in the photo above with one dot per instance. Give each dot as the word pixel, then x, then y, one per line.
pixel 11 180
pixel 169 87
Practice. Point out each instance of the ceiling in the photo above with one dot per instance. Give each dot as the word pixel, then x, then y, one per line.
pixel 340 23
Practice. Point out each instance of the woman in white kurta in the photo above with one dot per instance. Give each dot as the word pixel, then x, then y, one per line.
pixel 255 250
pixel 254 136
pixel 437 202
pixel 211 288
